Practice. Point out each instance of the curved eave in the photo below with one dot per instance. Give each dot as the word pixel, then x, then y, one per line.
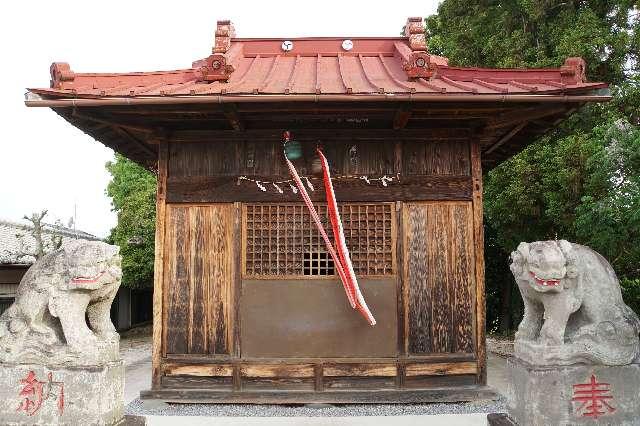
pixel 591 95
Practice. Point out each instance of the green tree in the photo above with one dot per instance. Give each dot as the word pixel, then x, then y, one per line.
pixel 582 186
pixel 133 192
pixel 580 182
pixel 538 33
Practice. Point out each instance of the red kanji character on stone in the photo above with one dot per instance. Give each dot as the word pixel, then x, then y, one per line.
pixel 35 392
pixel 593 397
pixel 32 393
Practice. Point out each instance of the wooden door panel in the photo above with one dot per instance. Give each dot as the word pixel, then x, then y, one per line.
pixel 438 277
pixel 199 279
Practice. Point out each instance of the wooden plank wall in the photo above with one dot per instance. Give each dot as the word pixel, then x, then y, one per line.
pixel 439 274
pixel 443 158
pixel 264 158
pixel 208 171
pixel 439 284
pixel 199 278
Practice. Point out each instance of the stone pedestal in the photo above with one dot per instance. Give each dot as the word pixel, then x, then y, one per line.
pixel 61 395
pixel 573 395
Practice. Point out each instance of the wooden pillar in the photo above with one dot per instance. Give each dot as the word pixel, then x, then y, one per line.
pixel 158 266
pixel 478 238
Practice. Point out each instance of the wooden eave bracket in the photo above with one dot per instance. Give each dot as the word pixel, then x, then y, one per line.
pixel 231 113
pixel 402 117
pixel 224 56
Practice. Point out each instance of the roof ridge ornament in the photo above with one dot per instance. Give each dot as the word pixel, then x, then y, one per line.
pixel 416 60
pixel 219 65
pixel 60 72
pixel 415 31
pixel 573 71
pixel 225 31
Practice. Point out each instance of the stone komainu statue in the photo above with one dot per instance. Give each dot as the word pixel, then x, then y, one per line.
pixel 55 300
pixel 576 293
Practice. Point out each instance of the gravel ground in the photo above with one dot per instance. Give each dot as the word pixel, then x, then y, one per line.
pixel 254 410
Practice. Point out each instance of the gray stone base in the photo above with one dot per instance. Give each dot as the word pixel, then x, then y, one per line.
pixel 542 396
pixel 59 395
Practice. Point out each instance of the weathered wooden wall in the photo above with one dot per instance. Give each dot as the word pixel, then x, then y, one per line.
pixel 427 260
pixel 264 158
pixel 439 277
pixel 208 171
pixel 199 278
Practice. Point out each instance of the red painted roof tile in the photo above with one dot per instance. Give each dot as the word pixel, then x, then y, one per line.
pixel 319 66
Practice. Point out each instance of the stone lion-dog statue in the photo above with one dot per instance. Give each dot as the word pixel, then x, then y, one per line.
pixel 573 307
pixel 62 306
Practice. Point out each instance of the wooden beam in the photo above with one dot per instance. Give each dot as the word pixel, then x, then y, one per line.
pixel 402 116
pixel 478 240
pixel 546 125
pixel 139 144
pixel 441 369
pixel 277 370
pixel 224 189
pixel 506 137
pixel 158 266
pixel 120 129
pixel 426 134
pixel 515 117
pixel 231 112
pixel 110 123
pixel 200 370
pixel 435 394
pixel 360 370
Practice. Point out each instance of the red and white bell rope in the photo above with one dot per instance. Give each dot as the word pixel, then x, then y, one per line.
pixel 342 261
pixel 338 234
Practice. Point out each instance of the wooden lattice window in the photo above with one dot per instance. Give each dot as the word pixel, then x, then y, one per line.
pixel 282 240
pixel 318 263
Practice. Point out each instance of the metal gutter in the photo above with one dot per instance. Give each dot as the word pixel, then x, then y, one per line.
pixel 32 101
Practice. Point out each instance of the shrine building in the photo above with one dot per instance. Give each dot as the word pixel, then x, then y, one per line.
pixel 248 304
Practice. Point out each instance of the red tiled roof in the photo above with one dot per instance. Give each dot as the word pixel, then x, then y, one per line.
pixel 398 65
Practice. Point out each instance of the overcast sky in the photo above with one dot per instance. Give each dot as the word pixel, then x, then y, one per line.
pixel 46 162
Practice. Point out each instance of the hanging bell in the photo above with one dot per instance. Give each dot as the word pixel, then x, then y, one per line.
pixel 293 150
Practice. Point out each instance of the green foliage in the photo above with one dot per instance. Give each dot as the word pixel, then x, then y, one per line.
pixel 582 181
pixel 536 33
pixel 631 292
pixel 133 192
pixel 583 186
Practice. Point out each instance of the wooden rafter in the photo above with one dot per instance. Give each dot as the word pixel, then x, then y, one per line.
pixel 506 137
pixel 515 117
pixel 135 141
pixel 110 123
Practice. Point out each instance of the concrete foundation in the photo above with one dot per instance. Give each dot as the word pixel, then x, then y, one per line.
pixel 61 395
pixel 573 395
